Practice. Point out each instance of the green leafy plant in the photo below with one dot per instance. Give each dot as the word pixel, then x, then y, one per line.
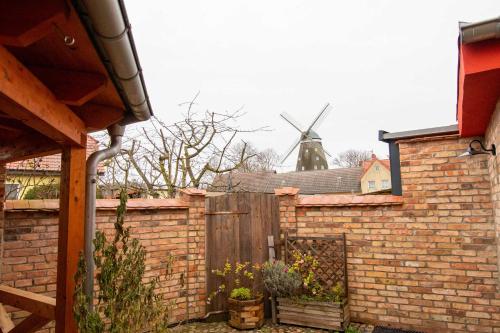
pixel 241 294
pixel 352 329
pixel 126 304
pixel 238 276
pixel 279 280
pixel 306 266
pixel 312 289
pixel 47 191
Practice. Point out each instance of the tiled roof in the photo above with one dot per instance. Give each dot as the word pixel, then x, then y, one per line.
pixel 346 180
pixel 367 164
pixel 52 162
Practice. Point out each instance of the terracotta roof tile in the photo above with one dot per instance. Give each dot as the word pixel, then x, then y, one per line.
pixel 194 191
pixel 52 162
pixel 286 191
pixel 101 204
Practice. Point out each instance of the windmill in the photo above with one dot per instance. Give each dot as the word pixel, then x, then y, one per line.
pixel 311 152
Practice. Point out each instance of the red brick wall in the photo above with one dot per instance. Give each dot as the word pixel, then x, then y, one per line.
pixel 492 136
pixel 429 263
pixel 30 255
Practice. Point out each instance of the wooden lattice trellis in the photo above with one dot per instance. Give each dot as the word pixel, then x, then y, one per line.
pixel 330 252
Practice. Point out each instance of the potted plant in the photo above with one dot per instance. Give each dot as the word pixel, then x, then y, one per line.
pixel 311 304
pixel 245 302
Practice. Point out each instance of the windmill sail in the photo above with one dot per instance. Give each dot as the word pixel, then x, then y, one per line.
pixel 311 152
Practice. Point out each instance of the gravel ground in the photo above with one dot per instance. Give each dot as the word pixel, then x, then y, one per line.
pixel 222 327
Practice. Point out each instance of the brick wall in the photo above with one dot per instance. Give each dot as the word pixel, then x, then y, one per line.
pixel 428 262
pixel 2 197
pixel 164 227
pixel 492 136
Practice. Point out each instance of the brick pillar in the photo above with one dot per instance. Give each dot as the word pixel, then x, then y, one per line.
pixel 2 198
pixel 196 252
pixel 492 136
pixel 288 197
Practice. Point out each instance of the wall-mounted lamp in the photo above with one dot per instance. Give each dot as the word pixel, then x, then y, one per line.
pixel 481 150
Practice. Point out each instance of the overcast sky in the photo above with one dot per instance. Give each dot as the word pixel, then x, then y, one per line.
pixel 387 65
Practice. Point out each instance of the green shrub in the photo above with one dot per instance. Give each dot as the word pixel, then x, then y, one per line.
pixel 38 192
pixel 241 294
pixel 279 280
pixel 126 304
pixel 352 329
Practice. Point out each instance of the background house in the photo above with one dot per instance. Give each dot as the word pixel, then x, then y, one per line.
pixel 43 173
pixel 376 175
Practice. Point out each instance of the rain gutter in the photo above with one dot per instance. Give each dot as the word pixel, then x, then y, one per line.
pixel 479 31
pixel 108 27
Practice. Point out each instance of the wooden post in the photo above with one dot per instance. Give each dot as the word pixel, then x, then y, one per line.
pixel 71 228
pixel 270 245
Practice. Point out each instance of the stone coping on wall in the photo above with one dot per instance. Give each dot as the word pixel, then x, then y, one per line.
pixel 101 204
pixel 342 200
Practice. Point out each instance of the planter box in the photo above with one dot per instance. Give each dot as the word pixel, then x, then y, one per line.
pixel 325 315
pixel 246 314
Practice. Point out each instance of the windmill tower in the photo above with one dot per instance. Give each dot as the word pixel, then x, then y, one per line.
pixel 311 152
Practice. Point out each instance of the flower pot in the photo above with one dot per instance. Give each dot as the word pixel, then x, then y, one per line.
pixel 325 315
pixel 246 314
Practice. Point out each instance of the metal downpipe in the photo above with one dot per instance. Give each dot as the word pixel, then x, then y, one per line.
pixel 116 133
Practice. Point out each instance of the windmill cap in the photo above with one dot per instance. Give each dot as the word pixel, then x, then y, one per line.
pixel 313 135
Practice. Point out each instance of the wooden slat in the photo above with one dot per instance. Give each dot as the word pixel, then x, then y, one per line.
pixel 27 146
pixel 23 22
pixel 24 97
pixel 37 304
pixel 71 87
pixel 238 237
pixel 31 324
pixel 6 323
pixel 71 229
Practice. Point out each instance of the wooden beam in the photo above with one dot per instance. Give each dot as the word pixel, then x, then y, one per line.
pixel 71 87
pixel 37 304
pixel 24 97
pixel 71 229
pixel 97 117
pixel 30 324
pixel 23 22
pixel 6 323
pixel 27 146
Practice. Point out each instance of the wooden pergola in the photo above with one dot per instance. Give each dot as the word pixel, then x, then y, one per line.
pixel 56 86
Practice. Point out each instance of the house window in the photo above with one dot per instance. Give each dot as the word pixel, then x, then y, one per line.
pixel 371 185
pixel 377 168
pixel 315 167
pixel 317 158
pixel 12 191
pixel 385 183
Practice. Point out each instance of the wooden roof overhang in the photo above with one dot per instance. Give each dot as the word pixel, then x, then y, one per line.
pixel 56 86
pixel 478 76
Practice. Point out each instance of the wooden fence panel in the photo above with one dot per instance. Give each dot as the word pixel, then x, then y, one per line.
pixel 237 228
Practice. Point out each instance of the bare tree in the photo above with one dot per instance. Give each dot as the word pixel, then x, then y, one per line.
pixel 264 160
pixel 188 153
pixel 351 158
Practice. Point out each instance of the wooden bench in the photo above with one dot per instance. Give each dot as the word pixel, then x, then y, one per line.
pixel 42 308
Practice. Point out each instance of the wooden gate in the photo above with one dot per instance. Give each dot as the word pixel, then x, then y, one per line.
pixel 237 226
